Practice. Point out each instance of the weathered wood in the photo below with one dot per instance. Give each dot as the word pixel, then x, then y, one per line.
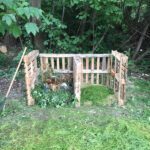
pixel 108 69
pixel 87 67
pixel 31 56
pixel 63 63
pixel 103 68
pixel 72 55
pixel 77 70
pixel 120 101
pixel 69 63
pixel 31 73
pixel 52 62
pixel 47 64
pixel 98 68
pixel 92 68
pixel 58 67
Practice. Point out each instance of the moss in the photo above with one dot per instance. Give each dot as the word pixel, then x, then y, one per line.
pixel 97 94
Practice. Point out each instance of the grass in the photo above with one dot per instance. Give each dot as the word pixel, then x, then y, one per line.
pixel 97 94
pixel 84 128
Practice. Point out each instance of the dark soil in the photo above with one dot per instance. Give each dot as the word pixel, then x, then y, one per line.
pixel 17 89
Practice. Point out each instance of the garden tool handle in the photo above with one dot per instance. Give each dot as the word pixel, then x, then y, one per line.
pixel 12 81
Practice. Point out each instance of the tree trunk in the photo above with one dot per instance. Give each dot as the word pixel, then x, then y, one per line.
pixel 138 11
pixel 38 40
pixel 142 56
pixel 140 42
pixel 101 39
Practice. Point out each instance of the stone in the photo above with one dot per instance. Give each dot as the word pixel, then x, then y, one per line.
pixel 3 49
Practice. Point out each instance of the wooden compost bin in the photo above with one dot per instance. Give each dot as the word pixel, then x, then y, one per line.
pixel 105 69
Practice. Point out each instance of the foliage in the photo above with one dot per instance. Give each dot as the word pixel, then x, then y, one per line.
pixel 50 98
pixel 4 60
pixel 97 94
pixel 14 10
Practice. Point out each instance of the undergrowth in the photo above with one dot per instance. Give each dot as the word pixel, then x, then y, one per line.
pixel 58 98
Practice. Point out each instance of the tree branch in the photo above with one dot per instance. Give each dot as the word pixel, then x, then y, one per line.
pixel 101 39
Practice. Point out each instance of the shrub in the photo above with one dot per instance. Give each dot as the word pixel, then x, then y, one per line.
pixel 51 98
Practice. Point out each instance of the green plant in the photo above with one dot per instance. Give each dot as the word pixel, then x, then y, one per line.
pixel 97 94
pixel 12 11
pixel 50 98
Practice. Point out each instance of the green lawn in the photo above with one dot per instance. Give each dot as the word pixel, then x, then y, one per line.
pixel 93 127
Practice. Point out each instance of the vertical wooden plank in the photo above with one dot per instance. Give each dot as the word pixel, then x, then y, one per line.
pixel 82 65
pixel 77 70
pixel 92 68
pixel 111 86
pixel 47 63
pixel 103 68
pixel 58 67
pixel 63 63
pixel 41 61
pixel 108 69
pixel 69 63
pixel 98 67
pixel 87 67
pixel 115 73
pixel 52 62
pixel 120 101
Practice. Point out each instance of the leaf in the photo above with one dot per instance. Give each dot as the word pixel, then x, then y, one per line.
pixel 3 27
pixel 31 28
pixel 15 30
pixel 20 11
pixel 7 19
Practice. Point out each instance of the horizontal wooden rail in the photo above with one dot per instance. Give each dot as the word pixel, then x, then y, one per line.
pixel 83 71
pixel 72 55
pixel 94 71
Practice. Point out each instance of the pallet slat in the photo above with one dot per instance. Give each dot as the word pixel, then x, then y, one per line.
pixel 87 67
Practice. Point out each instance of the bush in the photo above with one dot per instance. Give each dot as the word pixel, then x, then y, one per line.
pixel 51 98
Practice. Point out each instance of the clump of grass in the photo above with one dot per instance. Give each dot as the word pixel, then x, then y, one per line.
pixel 97 94
pixel 76 131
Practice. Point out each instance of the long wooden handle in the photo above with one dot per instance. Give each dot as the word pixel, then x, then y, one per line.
pixel 12 81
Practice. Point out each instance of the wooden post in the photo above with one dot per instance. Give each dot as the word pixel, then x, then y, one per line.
pixel 120 100
pixel 87 67
pixel 77 70
pixel 31 73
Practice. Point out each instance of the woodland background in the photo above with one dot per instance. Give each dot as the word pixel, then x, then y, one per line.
pixel 78 26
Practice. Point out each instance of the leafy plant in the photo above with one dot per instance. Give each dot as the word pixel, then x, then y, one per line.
pixel 57 99
pixel 12 11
